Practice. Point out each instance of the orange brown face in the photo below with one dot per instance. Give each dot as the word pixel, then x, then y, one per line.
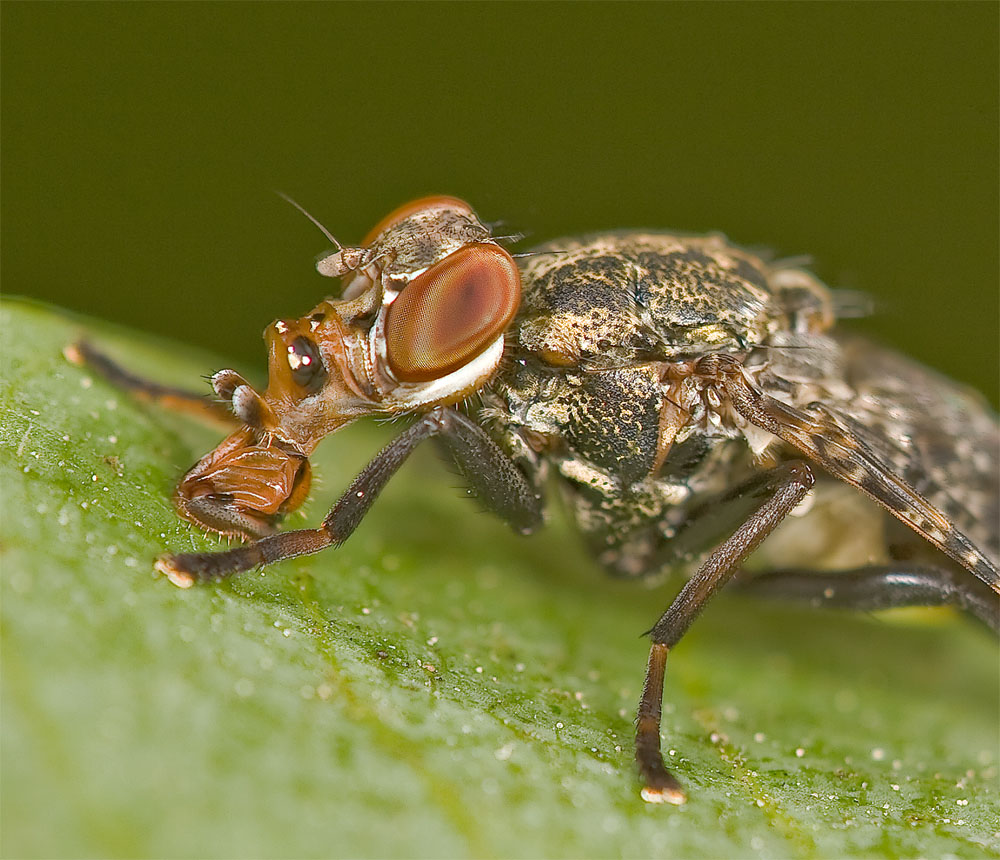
pixel 427 299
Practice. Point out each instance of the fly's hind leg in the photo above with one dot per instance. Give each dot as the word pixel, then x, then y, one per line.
pixel 84 354
pixel 870 589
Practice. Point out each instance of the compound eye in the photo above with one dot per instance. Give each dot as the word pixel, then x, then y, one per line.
pixel 408 210
pixel 447 316
pixel 305 363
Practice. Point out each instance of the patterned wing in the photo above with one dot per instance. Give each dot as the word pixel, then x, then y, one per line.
pixel 837 441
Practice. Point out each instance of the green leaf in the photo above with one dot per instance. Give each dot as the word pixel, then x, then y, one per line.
pixel 438 687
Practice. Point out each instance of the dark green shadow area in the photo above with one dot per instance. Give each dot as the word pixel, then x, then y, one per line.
pixel 437 687
pixel 142 141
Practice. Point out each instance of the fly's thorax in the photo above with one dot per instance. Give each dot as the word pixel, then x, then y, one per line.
pixel 618 297
pixel 602 372
pixel 614 429
pixel 669 421
pixel 609 419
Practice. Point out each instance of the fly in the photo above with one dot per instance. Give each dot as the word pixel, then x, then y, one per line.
pixel 693 402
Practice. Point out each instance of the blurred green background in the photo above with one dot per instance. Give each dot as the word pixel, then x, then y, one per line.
pixel 142 143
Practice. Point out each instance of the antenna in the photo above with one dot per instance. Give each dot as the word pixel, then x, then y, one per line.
pixel 301 209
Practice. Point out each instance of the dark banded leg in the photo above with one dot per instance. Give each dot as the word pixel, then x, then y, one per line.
pixel 491 475
pixel 870 589
pixel 86 355
pixel 779 491
pixel 495 478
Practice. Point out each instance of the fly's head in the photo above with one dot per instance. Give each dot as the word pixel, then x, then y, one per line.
pixel 427 298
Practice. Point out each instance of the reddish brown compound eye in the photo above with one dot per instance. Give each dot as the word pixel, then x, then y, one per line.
pixel 448 315
pixel 407 210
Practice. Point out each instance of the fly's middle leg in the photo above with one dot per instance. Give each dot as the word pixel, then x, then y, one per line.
pixel 777 492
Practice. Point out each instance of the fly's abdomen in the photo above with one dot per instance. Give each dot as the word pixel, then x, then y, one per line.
pixel 942 437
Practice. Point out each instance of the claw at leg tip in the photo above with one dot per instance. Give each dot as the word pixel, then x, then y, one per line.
pixel 180 578
pixel 664 795
pixel 71 352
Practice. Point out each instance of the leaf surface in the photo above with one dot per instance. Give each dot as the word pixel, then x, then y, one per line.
pixel 437 687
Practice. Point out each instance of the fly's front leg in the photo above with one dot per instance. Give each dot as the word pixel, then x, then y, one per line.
pixel 186 569
pixel 492 476
pixel 779 491
pixel 84 354
pixel 492 473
